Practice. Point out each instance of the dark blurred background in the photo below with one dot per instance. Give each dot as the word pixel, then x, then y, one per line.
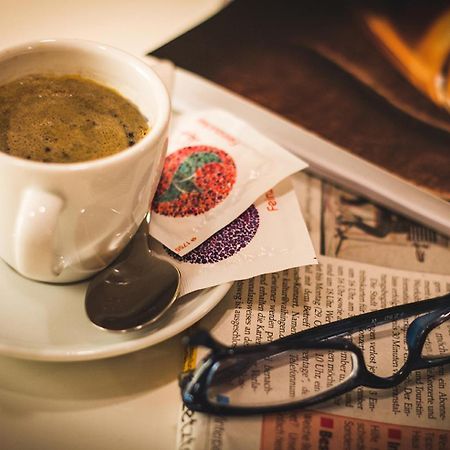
pixel 320 65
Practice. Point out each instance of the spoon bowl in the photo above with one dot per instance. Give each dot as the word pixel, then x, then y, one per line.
pixel 135 290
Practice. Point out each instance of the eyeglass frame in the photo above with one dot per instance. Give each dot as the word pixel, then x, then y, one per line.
pixel 195 383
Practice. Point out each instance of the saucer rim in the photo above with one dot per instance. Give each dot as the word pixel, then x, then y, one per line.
pixel 204 301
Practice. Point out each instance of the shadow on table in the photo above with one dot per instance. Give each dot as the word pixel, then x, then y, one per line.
pixel 88 384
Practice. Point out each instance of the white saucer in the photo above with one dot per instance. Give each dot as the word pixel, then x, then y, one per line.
pixel 47 322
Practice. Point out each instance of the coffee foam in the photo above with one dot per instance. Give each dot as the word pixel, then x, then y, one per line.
pixel 69 119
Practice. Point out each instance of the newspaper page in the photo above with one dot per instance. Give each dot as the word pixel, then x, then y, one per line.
pixel 346 226
pixel 413 415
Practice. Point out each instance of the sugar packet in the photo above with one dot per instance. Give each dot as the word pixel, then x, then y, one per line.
pixel 269 236
pixel 216 167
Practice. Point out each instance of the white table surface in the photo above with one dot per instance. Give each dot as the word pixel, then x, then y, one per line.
pixel 129 402
pixel 137 26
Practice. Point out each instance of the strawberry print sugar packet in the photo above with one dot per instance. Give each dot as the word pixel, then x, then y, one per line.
pixel 269 236
pixel 216 167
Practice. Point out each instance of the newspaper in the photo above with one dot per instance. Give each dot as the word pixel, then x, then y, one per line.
pixel 414 415
pixel 350 227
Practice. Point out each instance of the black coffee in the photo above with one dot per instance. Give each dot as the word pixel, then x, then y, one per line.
pixel 66 119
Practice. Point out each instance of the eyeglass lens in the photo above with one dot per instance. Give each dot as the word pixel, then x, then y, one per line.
pixel 260 380
pixel 437 342
pixel 385 350
pixel 278 379
pixel 384 346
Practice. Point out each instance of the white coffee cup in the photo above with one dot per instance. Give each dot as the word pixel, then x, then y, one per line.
pixel 63 222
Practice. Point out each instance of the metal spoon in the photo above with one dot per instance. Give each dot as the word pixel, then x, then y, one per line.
pixel 135 291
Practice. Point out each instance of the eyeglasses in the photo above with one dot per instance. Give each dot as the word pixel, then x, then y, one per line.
pixel 320 363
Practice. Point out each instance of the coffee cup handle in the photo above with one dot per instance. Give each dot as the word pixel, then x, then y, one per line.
pixel 37 220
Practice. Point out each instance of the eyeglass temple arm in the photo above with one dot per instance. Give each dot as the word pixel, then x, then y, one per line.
pixel 366 320
pixel 335 329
